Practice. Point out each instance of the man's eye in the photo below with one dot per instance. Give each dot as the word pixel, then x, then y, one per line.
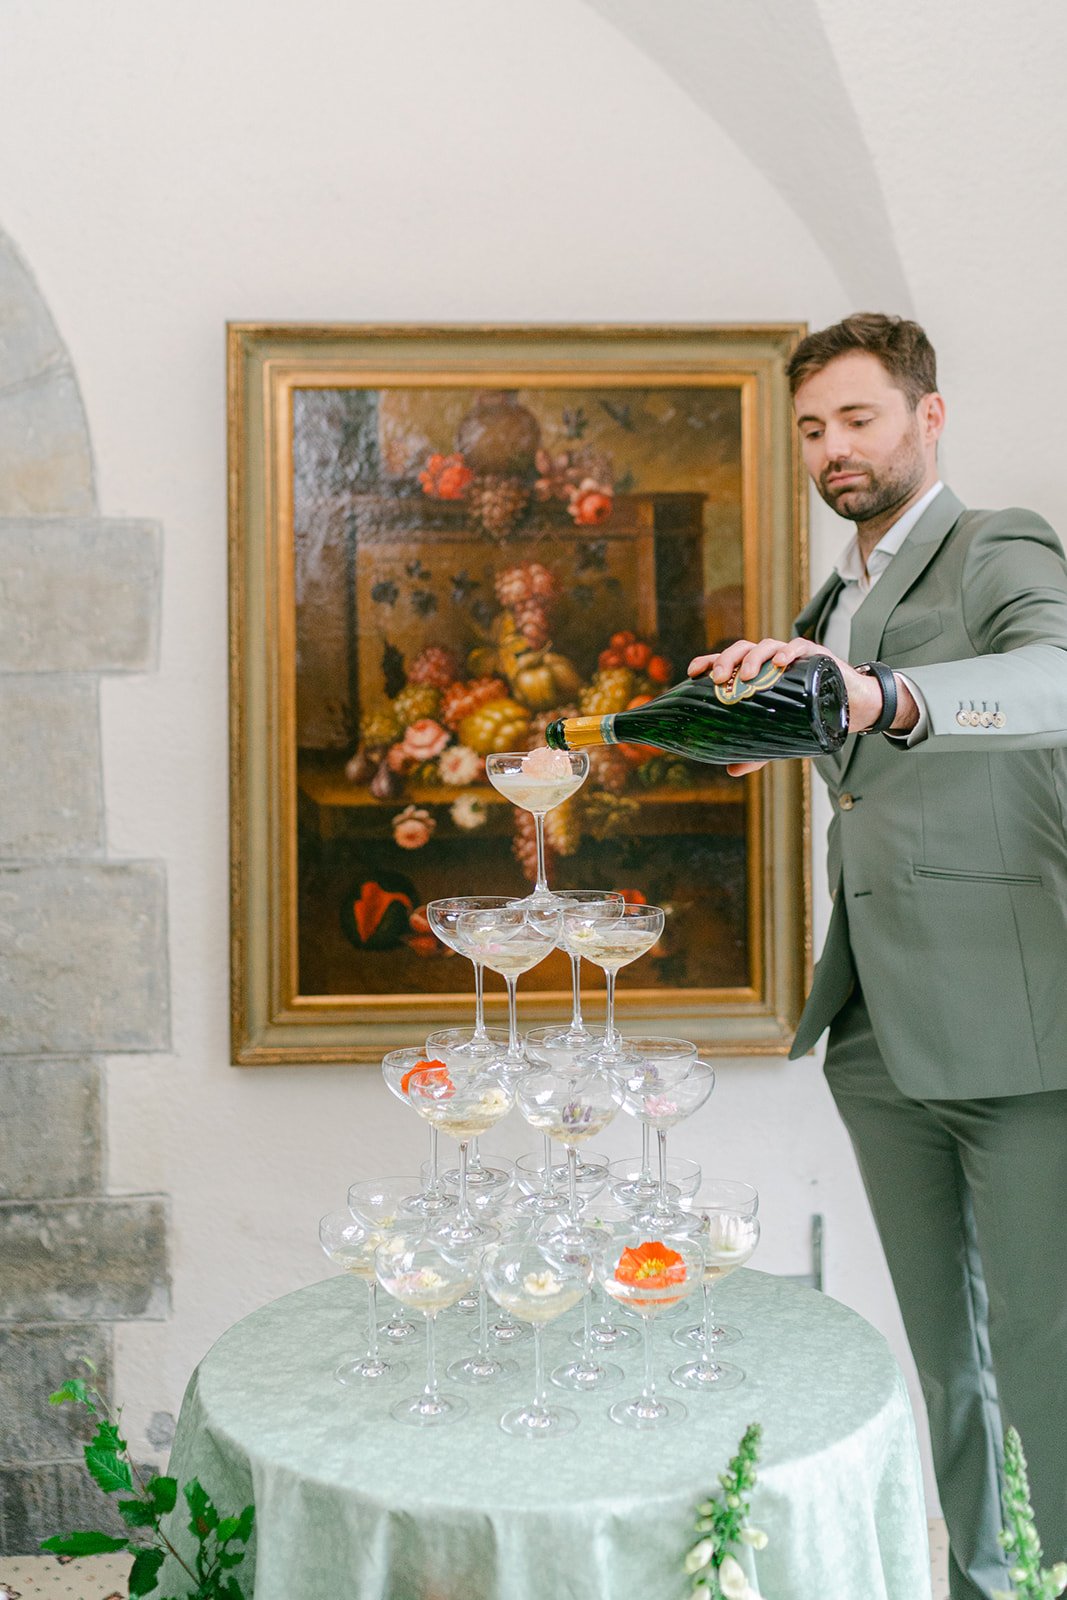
pixel 860 422
pixel 816 433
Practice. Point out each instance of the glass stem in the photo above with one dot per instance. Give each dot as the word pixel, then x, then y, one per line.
pixel 430 1391
pixel 648 1393
pixel 609 1012
pixel 547 1186
pixel 483 1325
pixel 708 1341
pixel 474 1163
pixel 434 1185
pixel 479 1001
pixel 372 1315
pixel 539 1370
pixel 572 1182
pixel 541 886
pixel 577 1025
pixel 587 1335
pixel 661 1141
pixel 462 1213
pixel 646 1153
pixel 514 1042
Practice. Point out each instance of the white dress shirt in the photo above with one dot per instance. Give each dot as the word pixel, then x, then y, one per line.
pixel 857 584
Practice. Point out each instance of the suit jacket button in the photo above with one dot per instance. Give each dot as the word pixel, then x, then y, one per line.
pixel 985 718
pixel 845 801
pixel 999 719
pixel 963 719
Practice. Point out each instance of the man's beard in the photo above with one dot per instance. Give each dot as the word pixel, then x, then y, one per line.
pixel 881 492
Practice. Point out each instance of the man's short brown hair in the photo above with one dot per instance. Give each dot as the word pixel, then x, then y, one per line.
pixel 901 346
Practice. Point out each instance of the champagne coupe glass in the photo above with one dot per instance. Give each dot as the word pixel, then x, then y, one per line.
pixel 397 1070
pixel 551 1042
pixel 662 1104
pixel 443 915
pixel 464 1101
pixel 571 1106
pixel 351 1247
pixel 510 940
pixel 727 1197
pixel 483 1366
pixel 610 938
pixel 628 1177
pixel 585 1372
pixel 727 1240
pixel 460 1041
pixel 424 1275
pixel 380 1205
pixel 538 781
pixel 532 1281
pixel 608 1331
pixel 648 1275
pixel 655 1054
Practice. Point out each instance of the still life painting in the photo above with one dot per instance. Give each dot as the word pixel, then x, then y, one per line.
pixel 442 540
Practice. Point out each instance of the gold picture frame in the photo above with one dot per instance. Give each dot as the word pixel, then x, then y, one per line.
pixel 653 475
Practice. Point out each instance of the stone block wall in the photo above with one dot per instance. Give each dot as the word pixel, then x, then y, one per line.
pixel 83 940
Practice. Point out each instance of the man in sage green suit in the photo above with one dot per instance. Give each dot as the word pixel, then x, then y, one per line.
pixel 943 978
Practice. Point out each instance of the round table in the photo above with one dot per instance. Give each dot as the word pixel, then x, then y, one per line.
pixel 351 1505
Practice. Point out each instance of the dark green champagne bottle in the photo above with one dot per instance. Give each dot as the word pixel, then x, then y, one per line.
pixel 799 711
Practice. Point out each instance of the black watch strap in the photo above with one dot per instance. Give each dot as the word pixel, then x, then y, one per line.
pixel 888 685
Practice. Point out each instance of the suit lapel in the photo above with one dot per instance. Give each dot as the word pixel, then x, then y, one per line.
pixel 902 573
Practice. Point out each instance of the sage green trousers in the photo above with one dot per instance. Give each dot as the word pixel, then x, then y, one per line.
pixel 970 1201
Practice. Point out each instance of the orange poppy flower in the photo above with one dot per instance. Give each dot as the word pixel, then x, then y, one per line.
pixel 655 1265
pixel 434 1074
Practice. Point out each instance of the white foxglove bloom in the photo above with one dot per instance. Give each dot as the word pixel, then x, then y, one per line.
pixel 699 1556
pixel 754 1537
pixel 733 1583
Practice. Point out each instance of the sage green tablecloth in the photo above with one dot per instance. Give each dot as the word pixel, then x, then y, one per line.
pixel 351 1505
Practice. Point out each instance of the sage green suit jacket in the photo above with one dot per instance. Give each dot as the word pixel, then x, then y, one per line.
pixel 948 861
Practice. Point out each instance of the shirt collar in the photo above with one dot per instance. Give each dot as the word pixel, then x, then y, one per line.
pixel 850 566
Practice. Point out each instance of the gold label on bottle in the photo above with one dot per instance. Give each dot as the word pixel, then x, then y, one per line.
pixel 735 688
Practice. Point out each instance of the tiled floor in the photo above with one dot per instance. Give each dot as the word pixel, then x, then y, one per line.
pixel 104 1577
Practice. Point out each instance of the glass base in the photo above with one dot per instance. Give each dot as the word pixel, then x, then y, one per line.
pixel 539 1205
pixel 539 1422
pixel 366 1370
pixel 673 1219
pixel 606 1336
pixel 422 1411
pixel 707 1376
pixel 397 1330
pixel 430 1205
pixel 479 1369
pixel 455 1232
pixel 642 1413
pixel 509 1332
pixel 573 1240
pixel 722 1334
pixel 640 1192
pixel 586 1376
pixel 467 1306
pixel 482 1178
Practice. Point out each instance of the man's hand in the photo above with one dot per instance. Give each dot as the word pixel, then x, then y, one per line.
pixel 864 694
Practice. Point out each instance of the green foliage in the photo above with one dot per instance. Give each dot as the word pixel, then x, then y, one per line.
pixel 720 1524
pixel 1019 1538
pixel 220 1541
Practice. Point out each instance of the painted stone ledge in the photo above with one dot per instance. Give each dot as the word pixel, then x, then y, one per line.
pixel 83 958
pixel 79 594
pixel 33 1364
pixel 51 800
pixel 84 1260
pixel 51 1131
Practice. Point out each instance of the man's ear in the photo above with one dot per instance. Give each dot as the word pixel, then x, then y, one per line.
pixel 931 417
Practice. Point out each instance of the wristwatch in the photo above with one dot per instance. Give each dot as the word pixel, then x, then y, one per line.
pixel 888 684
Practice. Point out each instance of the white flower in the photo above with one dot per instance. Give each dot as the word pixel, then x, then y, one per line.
pixel 733 1583
pixel 1059 1576
pixel 699 1556
pixel 754 1537
pixel 541 1283
pixel 459 764
pixel 468 812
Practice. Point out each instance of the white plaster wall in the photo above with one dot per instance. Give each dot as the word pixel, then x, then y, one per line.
pixel 167 167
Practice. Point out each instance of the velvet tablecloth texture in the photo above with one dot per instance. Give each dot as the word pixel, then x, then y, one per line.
pixel 351 1505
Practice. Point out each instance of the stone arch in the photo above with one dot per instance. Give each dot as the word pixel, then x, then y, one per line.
pixel 769 77
pixel 46 460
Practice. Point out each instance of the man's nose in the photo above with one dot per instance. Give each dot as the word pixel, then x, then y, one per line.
pixel 837 446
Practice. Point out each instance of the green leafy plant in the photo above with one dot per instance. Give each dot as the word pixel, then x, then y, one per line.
pixel 721 1528
pixel 220 1540
pixel 1019 1538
